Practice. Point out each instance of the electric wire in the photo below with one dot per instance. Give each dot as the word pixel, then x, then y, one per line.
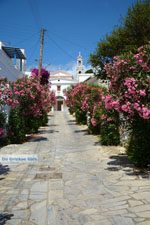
pixel 36 19
pixel 68 41
pixel 33 49
pixel 58 46
pixel 28 38
pixel 38 12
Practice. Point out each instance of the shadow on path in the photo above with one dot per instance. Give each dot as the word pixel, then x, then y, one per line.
pixel 121 162
pixel 4 169
pixel 50 116
pixel 4 217
pixel 48 131
pixel 97 143
pixel 36 138
pixel 85 132
pixel 72 122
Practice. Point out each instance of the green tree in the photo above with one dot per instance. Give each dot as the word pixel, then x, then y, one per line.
pixel 89 71
pixel 132 32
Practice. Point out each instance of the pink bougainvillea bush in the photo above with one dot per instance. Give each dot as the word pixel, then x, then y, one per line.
pixel 35 101
pixel 129 94
pixel 130 84
pixel 3 87
pixel 44 77
pixel 88 102
pixel 30 100
pixel 127 97
pixel 6 94
pixel 6 98
pixel 108 122
pixel 81 98
pixel 75 97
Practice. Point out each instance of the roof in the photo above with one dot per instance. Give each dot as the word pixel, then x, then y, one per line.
pixel 59 97
pixel 62 81
pixel 61 74
pixel 11 51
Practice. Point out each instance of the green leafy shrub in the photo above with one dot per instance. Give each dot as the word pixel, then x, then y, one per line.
pixel 93 129
pixel 109 133
pixel 44 119
pixel 2 130
pixel 139 144
pixel 16 127
pixel 2 119
pixel 32 124
pixel 80 116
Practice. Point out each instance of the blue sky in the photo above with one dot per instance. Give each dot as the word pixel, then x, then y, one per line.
pixel 71 26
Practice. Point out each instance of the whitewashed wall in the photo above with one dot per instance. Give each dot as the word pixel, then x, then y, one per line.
pixel 83 77
pixel 64 85
pixel 7 69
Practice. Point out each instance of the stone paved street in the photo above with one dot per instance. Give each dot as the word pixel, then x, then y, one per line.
pixel 75 181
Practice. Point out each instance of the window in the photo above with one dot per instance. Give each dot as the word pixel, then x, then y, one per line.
pixel 79 62
pixel 58 88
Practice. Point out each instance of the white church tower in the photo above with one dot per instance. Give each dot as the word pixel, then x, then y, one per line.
pixel 80 67
pixel 80 74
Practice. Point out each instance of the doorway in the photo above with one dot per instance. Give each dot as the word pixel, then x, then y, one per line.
pixel 59 105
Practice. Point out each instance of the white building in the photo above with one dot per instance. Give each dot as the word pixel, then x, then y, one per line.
pixel 12 62
pixel 61 80
pixel 81 75
pixel 96 81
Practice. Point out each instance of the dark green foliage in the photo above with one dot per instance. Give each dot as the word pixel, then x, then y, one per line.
pixel 2 119
pixel 19 126
pixel 32 124
pixel 138 149
pixel 93 129
pixel 16 127
pixel 89 71
pixel 109 133
pixel 80 117
pixel 44 119
pixel 71 111
pixel 3 140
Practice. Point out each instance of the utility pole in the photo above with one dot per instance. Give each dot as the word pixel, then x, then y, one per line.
pixel 41 51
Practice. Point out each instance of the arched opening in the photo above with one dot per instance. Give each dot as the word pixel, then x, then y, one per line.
pixel 60 101
pixel 79 62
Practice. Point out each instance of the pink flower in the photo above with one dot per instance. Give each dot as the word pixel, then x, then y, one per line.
pixel 140 61
pixel 93 122
pixel 2 131
pixel 103 117
pixel 109 119
pixel 124 108
pixel 142 92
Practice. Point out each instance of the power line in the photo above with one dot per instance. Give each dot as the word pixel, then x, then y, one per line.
pixel 34 48
pixel 16 25
pixel 28 38
pixel 38 11
pixel 58 46
pixel 36 19
pixel 68 41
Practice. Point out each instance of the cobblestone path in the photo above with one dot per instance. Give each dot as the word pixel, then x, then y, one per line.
pixel 75 181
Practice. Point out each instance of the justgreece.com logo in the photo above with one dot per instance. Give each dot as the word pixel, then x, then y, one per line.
pixel 18 158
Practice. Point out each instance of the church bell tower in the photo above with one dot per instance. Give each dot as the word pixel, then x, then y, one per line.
pixel 80 67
